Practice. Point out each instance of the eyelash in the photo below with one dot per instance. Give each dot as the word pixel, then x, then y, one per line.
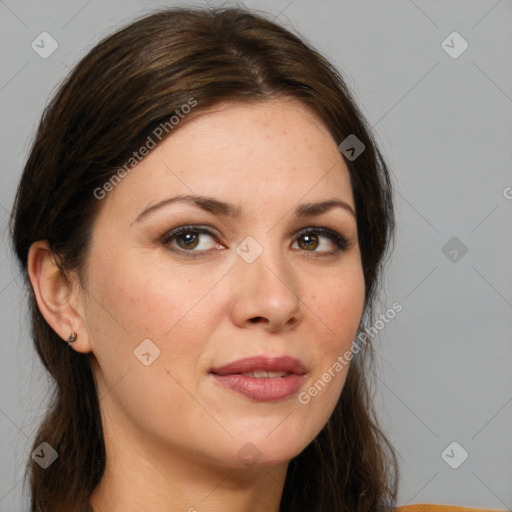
pixel 339 241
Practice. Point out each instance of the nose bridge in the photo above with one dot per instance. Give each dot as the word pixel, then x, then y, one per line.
pixel 267 259
pixel 268 288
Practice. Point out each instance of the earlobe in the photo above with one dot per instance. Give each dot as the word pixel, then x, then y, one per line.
pixel 53 290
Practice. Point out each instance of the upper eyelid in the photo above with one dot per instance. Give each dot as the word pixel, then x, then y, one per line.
pixel 208 230
pixel 192 227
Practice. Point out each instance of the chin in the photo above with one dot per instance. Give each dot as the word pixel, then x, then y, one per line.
pixel 268 450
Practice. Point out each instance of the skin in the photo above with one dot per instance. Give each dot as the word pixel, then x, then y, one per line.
pixel 172 433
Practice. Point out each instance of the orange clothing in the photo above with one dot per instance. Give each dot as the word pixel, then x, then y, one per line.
pixel 441 508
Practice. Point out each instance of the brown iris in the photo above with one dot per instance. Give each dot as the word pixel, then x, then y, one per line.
pixel 311 241
pixel 190 240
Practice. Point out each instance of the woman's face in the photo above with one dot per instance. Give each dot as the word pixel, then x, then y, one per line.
pixel 267 280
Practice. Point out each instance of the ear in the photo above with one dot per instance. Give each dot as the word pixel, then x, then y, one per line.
pixel 58 295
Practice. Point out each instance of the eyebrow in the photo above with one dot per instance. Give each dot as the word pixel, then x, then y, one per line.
pixel 212 205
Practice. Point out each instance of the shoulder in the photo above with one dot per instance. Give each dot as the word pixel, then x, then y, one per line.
pixel 440 508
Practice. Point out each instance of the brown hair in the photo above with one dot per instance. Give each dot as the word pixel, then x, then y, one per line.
pixel 119 93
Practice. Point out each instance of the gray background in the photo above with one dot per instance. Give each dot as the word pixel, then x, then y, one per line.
pixel 444 125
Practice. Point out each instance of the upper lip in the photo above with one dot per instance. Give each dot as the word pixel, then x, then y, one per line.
pixel 285 364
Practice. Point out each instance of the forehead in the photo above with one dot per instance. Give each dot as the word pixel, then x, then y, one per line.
pixel 254 153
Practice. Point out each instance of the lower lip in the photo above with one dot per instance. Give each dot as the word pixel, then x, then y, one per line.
pixel 264 389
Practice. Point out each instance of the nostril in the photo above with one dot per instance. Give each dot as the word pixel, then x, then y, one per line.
pixel 256 319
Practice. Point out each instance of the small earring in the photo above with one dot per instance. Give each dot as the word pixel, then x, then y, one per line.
pixel 72 337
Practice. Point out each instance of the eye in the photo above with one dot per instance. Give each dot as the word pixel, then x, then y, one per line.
pixel 324 239
pixel 190 239
pixel 196 240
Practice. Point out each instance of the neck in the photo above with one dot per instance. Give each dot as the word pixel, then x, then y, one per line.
pixel 141 476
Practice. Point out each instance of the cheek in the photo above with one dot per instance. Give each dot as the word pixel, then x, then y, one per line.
pixel 171 308
pixel 337 307
pixel 152 300
pixel 175 308
pixel 337 304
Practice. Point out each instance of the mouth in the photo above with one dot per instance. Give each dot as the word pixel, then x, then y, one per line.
pixel 260 378
pixel 263 367
pixel 262 374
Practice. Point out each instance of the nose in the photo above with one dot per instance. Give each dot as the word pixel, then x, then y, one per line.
pixel 266 294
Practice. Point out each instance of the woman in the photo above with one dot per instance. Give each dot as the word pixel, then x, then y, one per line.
pixel 203 218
